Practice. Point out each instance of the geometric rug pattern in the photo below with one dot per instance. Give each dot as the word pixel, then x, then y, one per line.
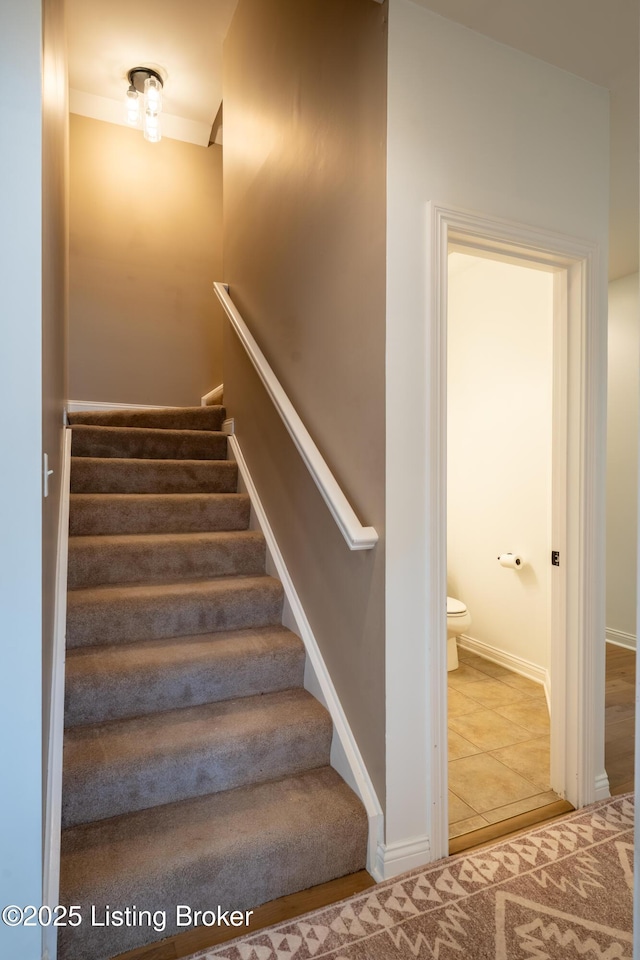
pixel 560 892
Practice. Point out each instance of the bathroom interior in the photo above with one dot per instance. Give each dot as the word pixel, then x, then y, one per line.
pixel 499 441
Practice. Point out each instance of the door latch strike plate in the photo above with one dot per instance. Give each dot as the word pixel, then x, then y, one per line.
pixel 555 558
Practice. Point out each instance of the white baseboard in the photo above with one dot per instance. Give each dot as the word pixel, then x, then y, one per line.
pixel 213 397
pixel 395 858
pixel 509 660
pixel 518 664
pixel 53 810
pixel 602 791
pixel 621 639
pixel 345 755
pixel 97 406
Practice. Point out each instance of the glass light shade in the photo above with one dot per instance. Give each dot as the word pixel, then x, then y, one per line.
pixel 152 131
pixel 132 108
pixel 152 96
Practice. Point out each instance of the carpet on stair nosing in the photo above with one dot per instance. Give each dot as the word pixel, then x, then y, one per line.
pixel 240 847
pixel 137 558
pixel 171 418
pixel 127 765
pixel 95 475
pixel 109 614
pixel 97 514
pixel 147 443
pixel 113 682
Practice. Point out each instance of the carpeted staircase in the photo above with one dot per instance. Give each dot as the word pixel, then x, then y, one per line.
pixel 196 766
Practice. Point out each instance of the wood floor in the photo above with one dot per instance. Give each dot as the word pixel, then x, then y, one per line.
pixel 620 692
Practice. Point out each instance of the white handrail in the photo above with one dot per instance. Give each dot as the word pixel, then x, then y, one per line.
pixel 356 536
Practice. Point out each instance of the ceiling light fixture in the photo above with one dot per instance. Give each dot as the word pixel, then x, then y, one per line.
pixel 149 83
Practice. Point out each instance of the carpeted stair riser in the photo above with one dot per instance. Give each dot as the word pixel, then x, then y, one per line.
pixel 124 614
pixel 149 444
pixel 153 557
pixel 195 762
pixel 104 475
pixel 111 683
pixel 238 848
pixel 166 418
pixel 128 765
pixel 120 513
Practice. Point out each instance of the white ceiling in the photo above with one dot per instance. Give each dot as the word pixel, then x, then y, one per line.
pixel 181 39
pixel 595 39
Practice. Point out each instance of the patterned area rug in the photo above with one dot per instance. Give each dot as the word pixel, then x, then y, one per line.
pixel 559 892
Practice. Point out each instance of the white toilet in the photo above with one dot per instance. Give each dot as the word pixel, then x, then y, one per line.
pixel 458 620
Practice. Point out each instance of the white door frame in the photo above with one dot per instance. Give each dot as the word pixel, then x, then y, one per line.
pixel 577 665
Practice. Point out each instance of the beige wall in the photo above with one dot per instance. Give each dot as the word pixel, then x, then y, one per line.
pixel 145 248
pixel 499 432
pixel 622 458
pixel 304 254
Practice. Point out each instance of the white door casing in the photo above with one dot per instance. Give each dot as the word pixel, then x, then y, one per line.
pixel 577 620
pixel 417 791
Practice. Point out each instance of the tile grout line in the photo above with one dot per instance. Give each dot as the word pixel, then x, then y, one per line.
pixel 490 752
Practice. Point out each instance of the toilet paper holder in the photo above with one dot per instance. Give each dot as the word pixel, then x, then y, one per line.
pixel 513 561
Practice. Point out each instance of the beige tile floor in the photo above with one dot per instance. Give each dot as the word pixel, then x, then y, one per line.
pixel 498 745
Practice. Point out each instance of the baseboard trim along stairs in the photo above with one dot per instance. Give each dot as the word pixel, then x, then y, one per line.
pixel 345 754
pixel 105 406
pixel 199 768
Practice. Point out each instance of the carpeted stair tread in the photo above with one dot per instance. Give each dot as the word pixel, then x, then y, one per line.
pixel 121 614
pixel 118 513
pixel 132 558
pixel 195 762
pixel 238 848
pixel 148 444
pixel 113 682
pixel 133 475
pixel 127 765
pixel 166 418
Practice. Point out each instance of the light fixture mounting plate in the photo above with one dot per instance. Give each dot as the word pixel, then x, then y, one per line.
pixel 137 76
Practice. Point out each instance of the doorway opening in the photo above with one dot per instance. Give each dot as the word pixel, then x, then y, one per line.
pixel 500 584
pixel 576 656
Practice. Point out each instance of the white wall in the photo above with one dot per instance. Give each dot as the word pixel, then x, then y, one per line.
pixel 473 124
pixel 55 279
pixel 499 422
pixel 622 458
pixel 21 477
